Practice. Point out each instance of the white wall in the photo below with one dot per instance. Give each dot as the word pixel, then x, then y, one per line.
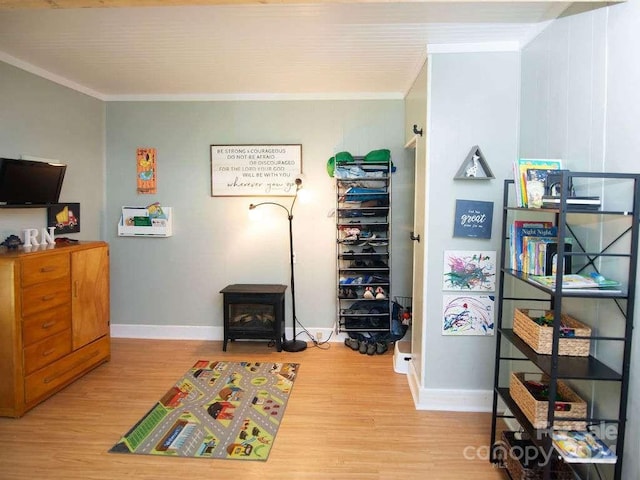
pixel 43 119
pixel 581 102
pixel 473 101
pixel 176 281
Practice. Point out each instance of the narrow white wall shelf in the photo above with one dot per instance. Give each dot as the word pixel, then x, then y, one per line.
pixel 158 227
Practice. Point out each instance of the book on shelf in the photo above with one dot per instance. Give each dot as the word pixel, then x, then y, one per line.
pixel 574 282
pixel 540 255
pixel 581 447
pixel 520 172
pixel 523 228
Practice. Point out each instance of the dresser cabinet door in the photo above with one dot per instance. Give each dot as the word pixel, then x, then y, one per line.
pixel 90 295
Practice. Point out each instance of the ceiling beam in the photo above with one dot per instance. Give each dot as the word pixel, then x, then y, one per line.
pixel 41 4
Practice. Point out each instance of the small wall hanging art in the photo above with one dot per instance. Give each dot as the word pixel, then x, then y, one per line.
pixel 146 170
pixel 474 167
pixel 64 218
pixel 467 315
pixel 473 271
pixel 473 219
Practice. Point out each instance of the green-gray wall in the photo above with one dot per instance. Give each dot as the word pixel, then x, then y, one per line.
pixel 43 119
pixel 175 282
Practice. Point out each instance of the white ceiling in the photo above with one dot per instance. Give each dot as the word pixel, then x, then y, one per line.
pixel 316 50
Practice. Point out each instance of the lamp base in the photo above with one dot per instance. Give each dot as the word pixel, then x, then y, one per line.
pixel 293 345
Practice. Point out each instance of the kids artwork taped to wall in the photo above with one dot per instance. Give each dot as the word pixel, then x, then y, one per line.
pixel 467 315
pixel 474 271
pixel 146 170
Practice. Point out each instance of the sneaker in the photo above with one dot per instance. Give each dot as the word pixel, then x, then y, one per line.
pixel 352 343
pixel 371 349
pixel 380 295
pixel 381 347
pixel 362 347
pixel 368 293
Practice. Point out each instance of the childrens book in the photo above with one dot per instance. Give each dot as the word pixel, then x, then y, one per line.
pixel 569 281
pixel 520 174
pixel 540 255
pixel 523 228
pixel 581 447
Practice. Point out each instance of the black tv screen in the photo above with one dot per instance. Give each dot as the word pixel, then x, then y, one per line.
pixel 28 182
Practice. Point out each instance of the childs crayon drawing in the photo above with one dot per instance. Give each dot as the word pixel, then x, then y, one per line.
pixel 467 315
pixel 146 170
pixel 469 270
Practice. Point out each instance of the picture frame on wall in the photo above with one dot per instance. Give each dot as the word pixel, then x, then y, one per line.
pixel 64 217
pixel 255 170
pixel 473 219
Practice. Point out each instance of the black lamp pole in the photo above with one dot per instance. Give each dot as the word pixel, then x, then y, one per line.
pixel 292 345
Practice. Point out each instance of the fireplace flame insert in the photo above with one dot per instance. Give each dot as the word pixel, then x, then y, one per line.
pixel 254 311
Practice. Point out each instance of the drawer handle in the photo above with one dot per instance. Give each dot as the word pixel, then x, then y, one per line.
pixel 78 363
pixel 48 324
pixel 48 352
pixel 47 269
pixel 46 298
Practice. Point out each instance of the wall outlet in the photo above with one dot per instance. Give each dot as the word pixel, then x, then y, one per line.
pixel 318 336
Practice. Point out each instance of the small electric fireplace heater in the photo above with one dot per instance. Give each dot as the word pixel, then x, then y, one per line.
pixel 253 311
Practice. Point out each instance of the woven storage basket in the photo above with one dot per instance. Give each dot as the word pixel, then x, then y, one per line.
pixel 536 410
pixel 540 337
pixel 524 461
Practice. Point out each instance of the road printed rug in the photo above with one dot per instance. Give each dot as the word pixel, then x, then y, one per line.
pixel 226 410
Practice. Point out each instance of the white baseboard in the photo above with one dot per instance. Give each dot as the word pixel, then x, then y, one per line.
pixel 182 332
pixel 455 400
pixel 447 399
pixel 450 400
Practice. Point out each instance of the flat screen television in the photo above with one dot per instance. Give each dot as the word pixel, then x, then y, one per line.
pixel 29 182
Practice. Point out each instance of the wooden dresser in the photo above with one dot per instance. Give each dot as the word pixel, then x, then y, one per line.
pixel 54 320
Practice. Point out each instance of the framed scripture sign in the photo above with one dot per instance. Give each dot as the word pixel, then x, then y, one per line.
pixel 473 219
pixel 255 170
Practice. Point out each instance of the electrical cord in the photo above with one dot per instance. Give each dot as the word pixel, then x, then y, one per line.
pixel 323 345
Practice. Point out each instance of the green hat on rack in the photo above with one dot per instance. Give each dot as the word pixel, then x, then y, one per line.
pixel 379 156
pixel 382 155
pixel 340 157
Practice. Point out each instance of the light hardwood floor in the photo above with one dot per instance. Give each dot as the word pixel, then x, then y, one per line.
pixel 350 416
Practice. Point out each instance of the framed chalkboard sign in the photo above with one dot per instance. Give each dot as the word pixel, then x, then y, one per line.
pixel 473 219
pixel 255 170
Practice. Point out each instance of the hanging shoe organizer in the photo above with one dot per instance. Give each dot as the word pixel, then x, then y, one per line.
pixel 363 243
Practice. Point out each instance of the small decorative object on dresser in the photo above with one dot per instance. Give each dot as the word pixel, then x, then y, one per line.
pixel 12 242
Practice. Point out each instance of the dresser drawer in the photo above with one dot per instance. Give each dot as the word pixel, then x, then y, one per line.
pixel 44 324
pixel 46 351
pixel 45 268
pixel 44 296
pixel 53 377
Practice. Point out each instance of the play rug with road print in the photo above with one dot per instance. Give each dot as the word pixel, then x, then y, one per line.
pixel 216 410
